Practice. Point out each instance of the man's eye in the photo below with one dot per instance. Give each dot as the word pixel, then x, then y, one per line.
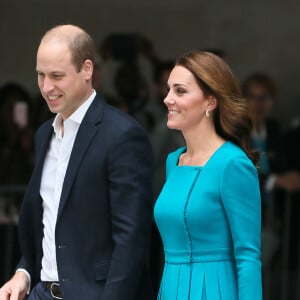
pixel 57 76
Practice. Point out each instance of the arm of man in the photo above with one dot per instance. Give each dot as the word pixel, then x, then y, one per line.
pixel 130 188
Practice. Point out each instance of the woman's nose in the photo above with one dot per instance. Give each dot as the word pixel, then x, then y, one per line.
pixel 169 99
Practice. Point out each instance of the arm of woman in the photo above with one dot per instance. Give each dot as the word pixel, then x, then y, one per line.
pixel 242 203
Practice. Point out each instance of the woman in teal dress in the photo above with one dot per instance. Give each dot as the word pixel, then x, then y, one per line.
pixel 209 210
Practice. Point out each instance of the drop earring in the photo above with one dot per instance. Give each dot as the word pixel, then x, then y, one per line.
pixel 207 113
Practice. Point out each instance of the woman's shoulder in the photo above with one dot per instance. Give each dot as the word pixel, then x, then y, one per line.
pixel 230 153
pixel 231 164
pixel 231 149
pixel 173 156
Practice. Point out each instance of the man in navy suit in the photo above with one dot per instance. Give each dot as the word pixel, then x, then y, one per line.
pixel 85 219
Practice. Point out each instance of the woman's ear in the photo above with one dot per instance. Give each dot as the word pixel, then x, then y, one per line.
pixel 212 102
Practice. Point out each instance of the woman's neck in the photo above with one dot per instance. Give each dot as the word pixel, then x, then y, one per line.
pixel 200 145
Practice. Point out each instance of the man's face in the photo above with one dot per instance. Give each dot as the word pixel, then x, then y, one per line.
pixel 62 86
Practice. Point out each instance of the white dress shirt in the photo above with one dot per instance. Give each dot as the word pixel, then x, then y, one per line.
pixel 54 170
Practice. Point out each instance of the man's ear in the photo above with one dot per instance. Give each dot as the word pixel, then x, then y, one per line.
pixel 88 68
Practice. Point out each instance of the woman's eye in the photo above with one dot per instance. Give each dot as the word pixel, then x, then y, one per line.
pixel 180 91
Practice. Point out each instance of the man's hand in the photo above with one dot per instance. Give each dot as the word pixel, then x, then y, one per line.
pixel 15 288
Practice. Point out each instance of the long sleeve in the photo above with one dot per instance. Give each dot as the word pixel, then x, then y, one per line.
pixel 241 199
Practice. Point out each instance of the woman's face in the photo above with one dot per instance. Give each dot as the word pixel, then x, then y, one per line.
pixel 260 102
pixel 185 100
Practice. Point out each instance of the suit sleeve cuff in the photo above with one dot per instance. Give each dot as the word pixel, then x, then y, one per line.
pixel 28 278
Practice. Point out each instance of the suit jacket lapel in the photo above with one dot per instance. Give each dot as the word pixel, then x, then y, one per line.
pixel 86 132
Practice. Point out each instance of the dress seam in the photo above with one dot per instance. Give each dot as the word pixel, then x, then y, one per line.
pixel 187 230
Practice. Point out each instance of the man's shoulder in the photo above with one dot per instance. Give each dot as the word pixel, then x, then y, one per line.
pixel 118 119
pixel 45 126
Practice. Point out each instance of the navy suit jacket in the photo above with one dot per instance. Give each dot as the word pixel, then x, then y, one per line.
pixel 105 212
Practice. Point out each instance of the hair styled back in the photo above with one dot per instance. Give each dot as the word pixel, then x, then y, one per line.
pixel 231 117
pixel 80 43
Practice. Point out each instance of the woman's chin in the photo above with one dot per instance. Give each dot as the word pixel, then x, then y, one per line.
pixel 171 125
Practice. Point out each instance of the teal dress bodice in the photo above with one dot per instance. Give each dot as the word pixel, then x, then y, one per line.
pixel 210 223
